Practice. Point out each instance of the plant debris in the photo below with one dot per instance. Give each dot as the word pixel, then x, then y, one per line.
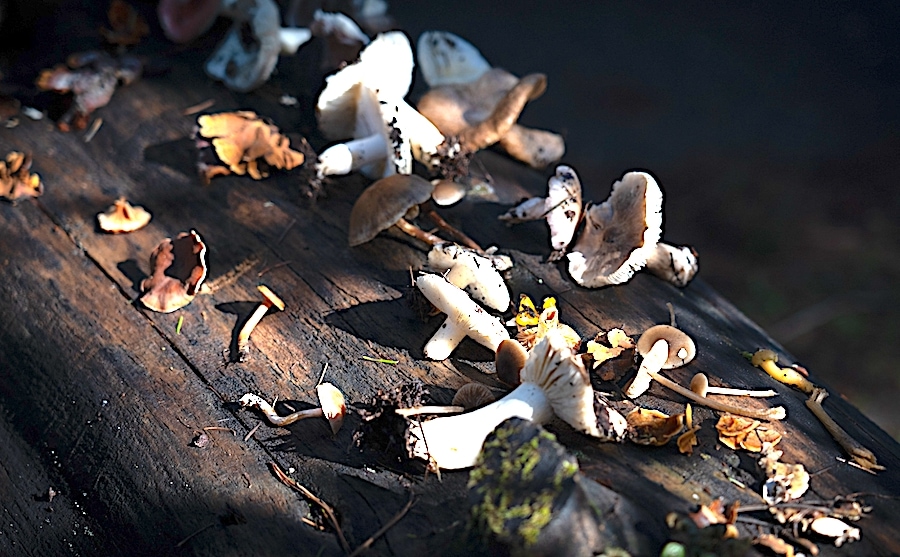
pixel 746 433
pixel 16 181
pixel 651 427
pixel 532 329
pixel 122 217
pixel 127 26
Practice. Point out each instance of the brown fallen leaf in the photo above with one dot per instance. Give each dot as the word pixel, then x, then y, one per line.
pixel 15 180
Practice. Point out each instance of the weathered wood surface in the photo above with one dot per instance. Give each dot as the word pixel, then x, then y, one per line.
pixel 100 399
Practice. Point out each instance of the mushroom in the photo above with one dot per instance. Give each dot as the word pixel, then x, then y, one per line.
pixel 466 93
pixel 509 361
pixel 767 360
pixel 700 385
pixel 464 319
pixel 621 236
pixel 471 272
pixel 184 20
pixel 270 300
pixel 331 406
pixel 473 395
pixel 386 203
pixel 16 181
pixel 122 217
pixel 665 347
pixel 385 68
pixel 552 382
pixel 179 268
pixel 245 58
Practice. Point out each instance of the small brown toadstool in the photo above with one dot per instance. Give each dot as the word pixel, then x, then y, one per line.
pixel 473 395
pixel 179 268
pixel 270 300
pixel 122 217
pixel 665 347
pixel 331 405
pixel 509 361
pixel 385 203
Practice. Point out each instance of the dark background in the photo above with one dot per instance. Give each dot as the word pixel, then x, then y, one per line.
pixel 772 128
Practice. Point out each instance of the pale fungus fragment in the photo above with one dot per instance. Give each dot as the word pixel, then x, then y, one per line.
pixel 531 331
pixel 618 342
pixel 122 217
pixel 473 273
pixel 179 268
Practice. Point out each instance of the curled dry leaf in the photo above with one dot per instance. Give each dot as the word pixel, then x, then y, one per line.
pixel 242 143
pixel 122 217
pixel 651 427
pixel 717 513
pixel 179 268
pixel 618 341
pixel 92 77
pixel 16 181
pixel 688 440
pixel 746 433
pixel 531 330
pixel 128 27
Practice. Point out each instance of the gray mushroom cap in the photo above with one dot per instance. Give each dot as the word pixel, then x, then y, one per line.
pixel 383 203
pixel 241 65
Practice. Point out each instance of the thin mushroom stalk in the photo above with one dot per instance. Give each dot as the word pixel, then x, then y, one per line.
pixel 858 453
pixel 653 361
pixel 268 410
pixel 269 300
pixel 700 385
pixel 331 406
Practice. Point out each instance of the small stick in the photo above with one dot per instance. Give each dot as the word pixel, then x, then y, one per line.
pixel 219 428
pixel 95 127
pixel 329 512
pixel 417 410
pixel 321 377
pixel 671 314
pixel 379 360
pixel 858 454
pixel 273 267
pixel 191 110
pixel 231 277
pixel 286 230
pixel 180 323
pixel 200 531
pixel 252 431
pixel 390 524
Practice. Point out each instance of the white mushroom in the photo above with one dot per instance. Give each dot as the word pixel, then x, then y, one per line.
pixel 675 264
pixel 331 406
pixel 471 272
pixel 552 382
pixel 464 318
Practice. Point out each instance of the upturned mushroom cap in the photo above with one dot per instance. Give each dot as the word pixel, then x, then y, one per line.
pixel 619 234
pixel 383 203
pixel 333 405
pixel 445 59
pixel 241 64
pixel 471 272
pixel 681 346
pixel 464 318
pixel 179 268
pixel 563 206
pixel 122 217
pixel 473 395
pixel 675 264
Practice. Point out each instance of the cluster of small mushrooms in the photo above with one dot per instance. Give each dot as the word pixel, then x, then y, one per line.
pixel 362 110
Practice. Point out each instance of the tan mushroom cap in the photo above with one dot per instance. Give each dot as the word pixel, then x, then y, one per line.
pixel 123 217
pixel 385 202
pixel 447 192
pixel 271 297
pixel 681 346
pixel 334 407
pixel 15 180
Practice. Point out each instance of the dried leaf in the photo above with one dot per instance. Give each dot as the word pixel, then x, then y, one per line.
pixel 651 427
pixel 15 180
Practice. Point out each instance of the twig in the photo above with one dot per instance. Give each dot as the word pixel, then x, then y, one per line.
pixel 231 277
pixel 379 360
pixel 285 231
pixel 273 267
pixel 326 508
pixel 92 131
pixel 200 531
pixel 321 377
pixel 191 110
pixel 860 455
pixel 219 428
pixel 390 524
pixel 417 410
pixel 252 431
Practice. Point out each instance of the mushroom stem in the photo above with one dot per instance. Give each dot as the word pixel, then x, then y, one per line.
pixel 344 158
pixel 250 399
pixel 252 322
pixel 700 385
pixel 767 360
pixel 418 410
pixel 659 352
pixel 858 454
pixel 425 139
pixel 417 232
pixel 453 231
pixel 454 442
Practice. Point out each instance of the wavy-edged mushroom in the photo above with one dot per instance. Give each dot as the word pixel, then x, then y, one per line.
pixel 16 181
pixel 465 318
pixel 331 405
pixel 466 93
pixel 385 68
pixel 471 272
pixel 122 217
pixel 665 347
pixel 553 382
pixel 179 268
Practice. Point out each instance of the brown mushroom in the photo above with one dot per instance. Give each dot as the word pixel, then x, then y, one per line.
pixel 509 361
pixel 179 268
pixel 700 385
pixel 384 204
pixel 122 217
pixel 473 395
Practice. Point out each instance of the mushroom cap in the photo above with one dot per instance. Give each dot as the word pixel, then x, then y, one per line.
pixel 270 296
pixel 619 234
pixel 242 66
pixel 473 395
pixel 462 311
pixel 564 380
pixel 471 272
pixel 374 117
pixel 122 217
pixel 700 384
pixel 762 355
pixel 445 58
pixel 509 361
pixel 15 180
pixel 681 346
pixel 383 203
pixel 563 206
pixel 333 405
pixel 385 66
pixel 179 268
pixel 447 192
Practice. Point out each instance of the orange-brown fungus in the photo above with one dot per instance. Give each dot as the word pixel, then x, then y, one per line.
pixel 746 433
pixel 179 268
pixel 122 217
pixel 244 143
pixel 128 27
pixel 15 180
pixel 650 427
